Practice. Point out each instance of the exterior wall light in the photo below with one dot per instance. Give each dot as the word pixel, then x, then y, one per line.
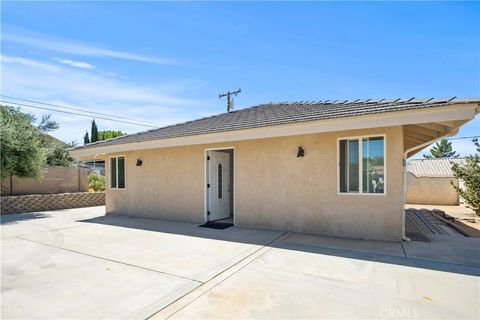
pixel 139 162
pixel 300 153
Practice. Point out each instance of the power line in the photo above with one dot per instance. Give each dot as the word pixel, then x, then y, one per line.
pixel 71 108
pixel 114 120
pixel 77 114
pixel 462 138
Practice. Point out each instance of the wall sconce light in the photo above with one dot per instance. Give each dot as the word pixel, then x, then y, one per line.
pixel 300 153
pixel 139 162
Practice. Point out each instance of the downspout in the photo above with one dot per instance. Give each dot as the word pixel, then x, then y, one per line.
pixel 405 156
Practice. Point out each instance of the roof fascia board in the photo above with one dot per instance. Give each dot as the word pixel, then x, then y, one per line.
pixel 427 115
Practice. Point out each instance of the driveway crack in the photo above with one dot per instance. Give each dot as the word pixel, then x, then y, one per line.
pixel 112 260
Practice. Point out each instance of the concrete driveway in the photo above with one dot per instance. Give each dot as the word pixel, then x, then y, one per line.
pixel 79 264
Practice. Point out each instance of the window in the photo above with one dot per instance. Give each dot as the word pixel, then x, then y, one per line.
pixel 117 172
pixel 220 190
pixel 362 165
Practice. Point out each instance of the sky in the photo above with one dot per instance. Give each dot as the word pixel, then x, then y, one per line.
pixel 165 62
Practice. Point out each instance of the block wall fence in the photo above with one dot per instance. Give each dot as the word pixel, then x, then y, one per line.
pixel 45 202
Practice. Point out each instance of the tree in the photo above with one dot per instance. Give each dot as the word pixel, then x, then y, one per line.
pixel 94 134
pixel 21 150
pixel 442 149
pixel 59 156
pixel 86 139
pixel 47 124
pixel 109 134
pixel 469 173
pixel 58 152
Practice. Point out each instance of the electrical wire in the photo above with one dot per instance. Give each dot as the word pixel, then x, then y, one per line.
pixel 77 114
pixel 459 138
pixel 75 109
pixel 106 114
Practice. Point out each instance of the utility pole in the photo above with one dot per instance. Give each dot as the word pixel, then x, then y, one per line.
pixel 229 94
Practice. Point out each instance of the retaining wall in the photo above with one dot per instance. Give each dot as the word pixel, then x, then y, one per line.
pixel 44 202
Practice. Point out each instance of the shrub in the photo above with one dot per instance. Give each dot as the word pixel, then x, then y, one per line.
pixel 96 182
pixel 470 174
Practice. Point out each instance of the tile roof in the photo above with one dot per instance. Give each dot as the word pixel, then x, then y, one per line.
pixel 441 167
pixel 277 113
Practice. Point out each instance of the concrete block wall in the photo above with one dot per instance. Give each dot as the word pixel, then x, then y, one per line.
pixel 44 202
pixel 431 190
pixel 53 180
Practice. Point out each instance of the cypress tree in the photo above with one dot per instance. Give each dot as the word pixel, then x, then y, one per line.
pixel 94 134
pixel 86 139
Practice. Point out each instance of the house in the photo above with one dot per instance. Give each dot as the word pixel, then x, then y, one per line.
pixel 429 181
pixel 327 167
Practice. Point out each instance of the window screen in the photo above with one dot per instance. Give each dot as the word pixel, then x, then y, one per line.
pixel 113 172
pixel 117 173
pixel 353 166
pixel 349 169
pixel 121 172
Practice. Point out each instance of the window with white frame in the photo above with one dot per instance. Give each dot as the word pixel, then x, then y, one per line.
pixel 362 165
pixel 117 172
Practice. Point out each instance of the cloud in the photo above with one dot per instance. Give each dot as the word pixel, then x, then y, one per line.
pixel 75 64
pixel 28 62
pixel 38 40
pixel 163 104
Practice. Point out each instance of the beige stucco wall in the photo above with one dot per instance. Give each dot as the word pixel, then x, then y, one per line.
pixel 53 180
pixel 431 190
pixel 273 188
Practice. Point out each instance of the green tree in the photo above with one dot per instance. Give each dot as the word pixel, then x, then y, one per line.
pixel 47 124
pixel 21 150
pixel 58 153
pixel 469 173
pixel 109 134
pixel 86 139
pixel 442 149
pixel 94 134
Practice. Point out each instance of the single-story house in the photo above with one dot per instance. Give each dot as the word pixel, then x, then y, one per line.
pixel 326 167
pixel 429 181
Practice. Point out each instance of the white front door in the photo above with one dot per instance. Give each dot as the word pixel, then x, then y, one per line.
pixel 218 185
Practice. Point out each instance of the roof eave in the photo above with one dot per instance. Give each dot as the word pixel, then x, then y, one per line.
pixel 426 115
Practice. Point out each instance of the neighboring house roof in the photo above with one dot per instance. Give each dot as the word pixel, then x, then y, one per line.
pixel 272 114
pixel 440 167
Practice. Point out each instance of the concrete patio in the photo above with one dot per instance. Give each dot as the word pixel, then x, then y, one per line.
pixel 78 263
